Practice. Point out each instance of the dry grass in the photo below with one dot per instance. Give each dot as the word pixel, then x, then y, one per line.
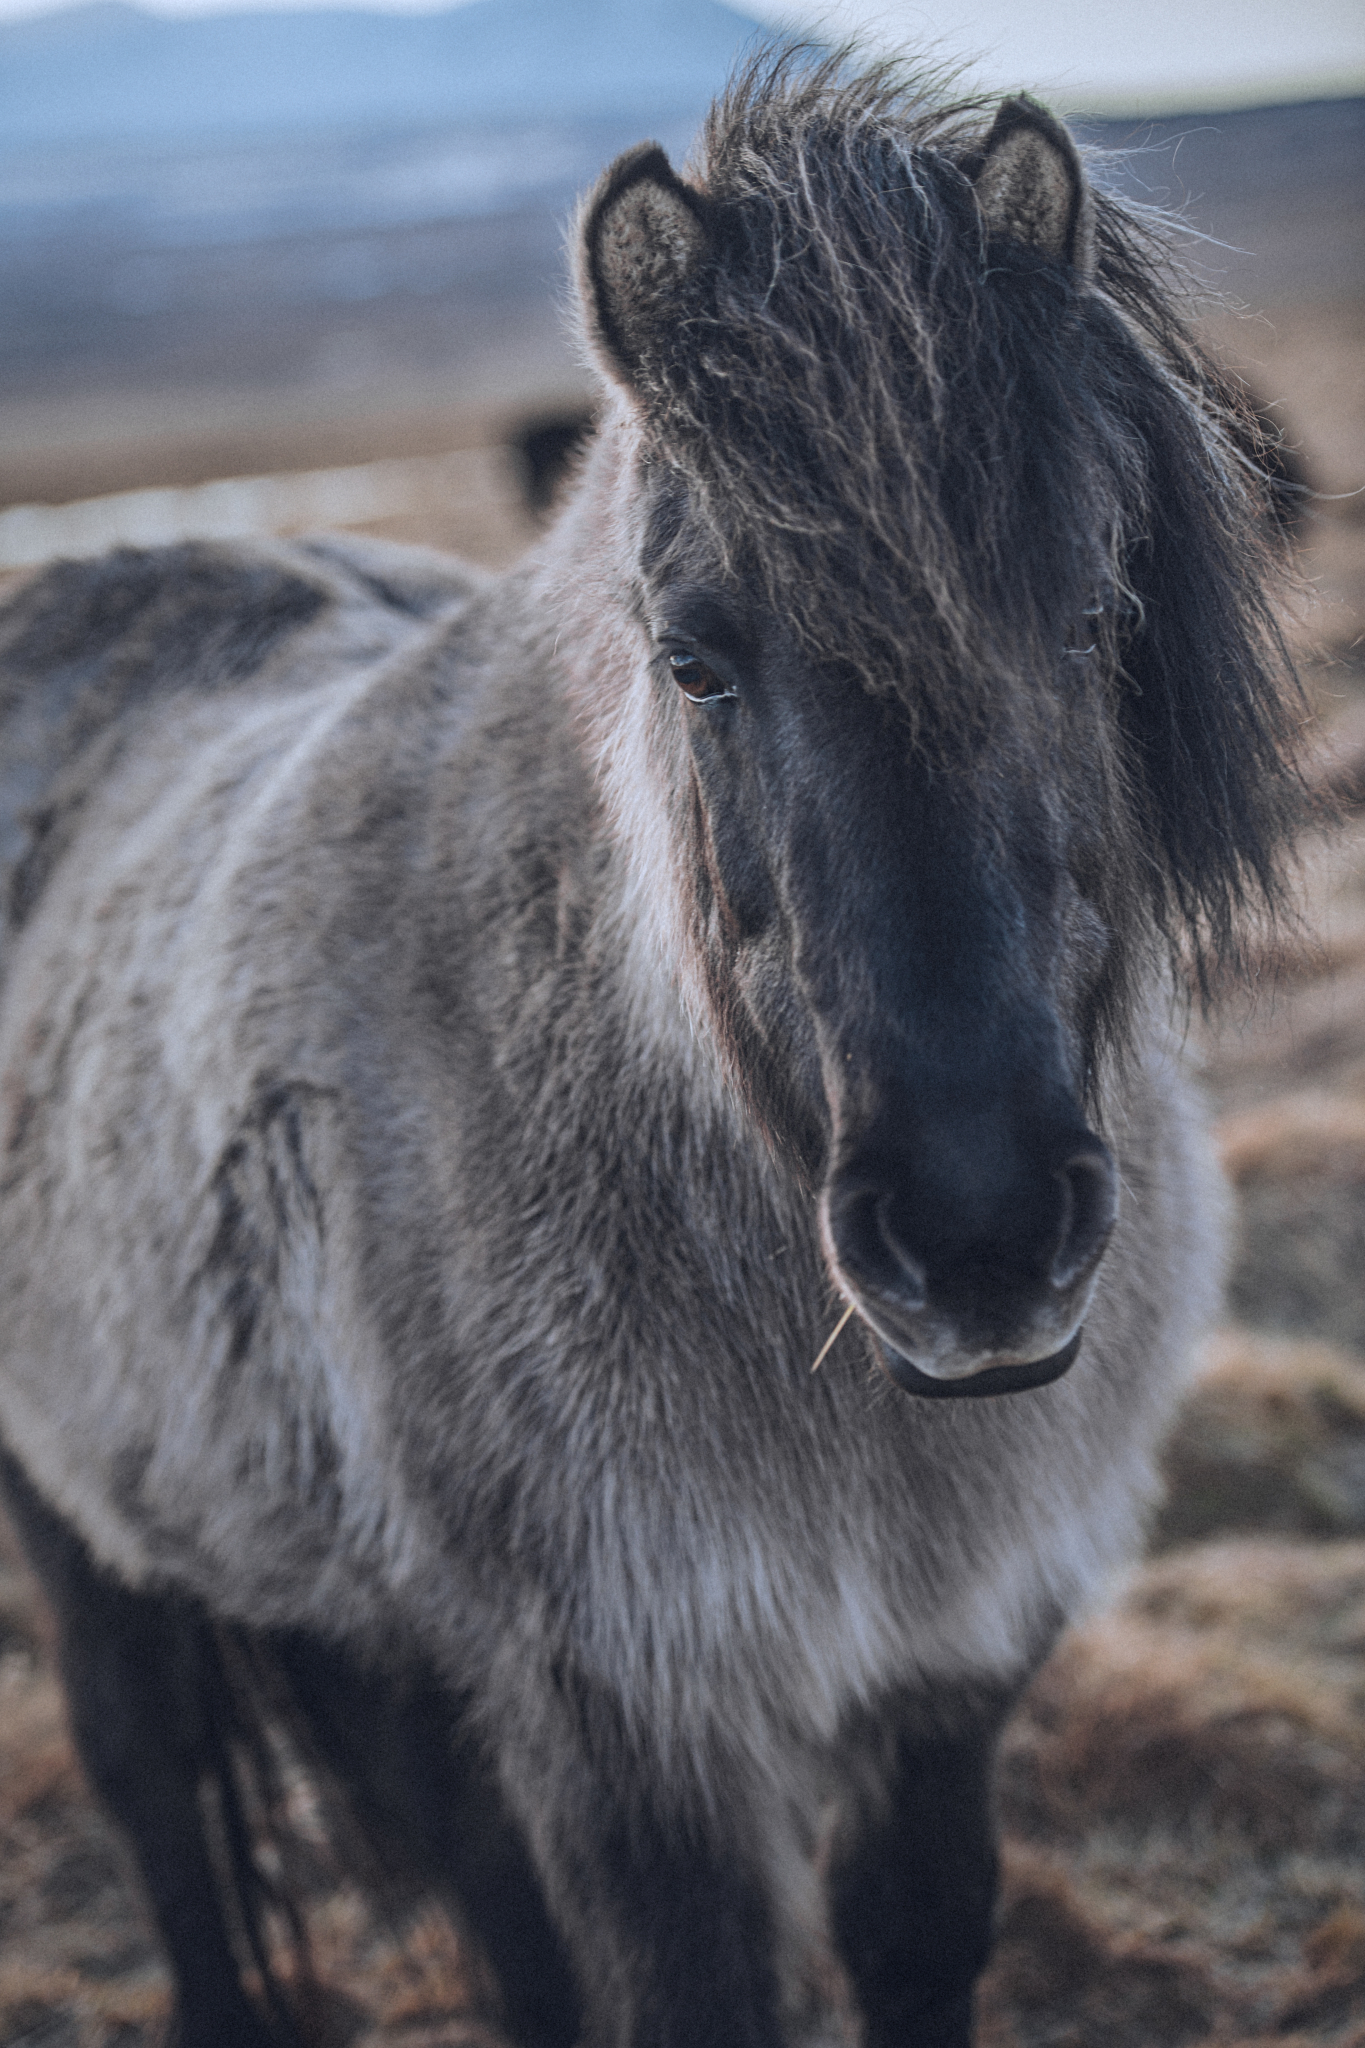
pixel 1272 1438
pixel 1184 1792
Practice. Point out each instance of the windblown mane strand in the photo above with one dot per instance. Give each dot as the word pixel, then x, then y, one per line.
pixel 937 458
pixel 1211 704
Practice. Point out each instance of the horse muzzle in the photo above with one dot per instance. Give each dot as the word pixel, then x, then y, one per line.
pixel 965 1311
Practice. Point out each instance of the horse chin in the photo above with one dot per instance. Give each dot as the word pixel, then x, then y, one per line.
pixel 983 1385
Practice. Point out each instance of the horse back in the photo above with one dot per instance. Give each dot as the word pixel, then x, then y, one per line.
pixel 89 647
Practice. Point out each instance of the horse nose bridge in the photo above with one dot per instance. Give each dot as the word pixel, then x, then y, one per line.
pixel 902 924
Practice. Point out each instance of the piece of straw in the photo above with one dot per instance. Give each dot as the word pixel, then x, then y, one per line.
pixel 828 1344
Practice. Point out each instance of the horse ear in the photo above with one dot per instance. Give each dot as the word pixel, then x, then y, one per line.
pixel 643 247
pixel 1031 186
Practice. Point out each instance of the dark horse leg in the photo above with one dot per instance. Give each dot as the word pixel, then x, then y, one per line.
pixel 145 1690
pixel 665 1910
pixel 151 1709
pixel 397 1746
pixel 913 1899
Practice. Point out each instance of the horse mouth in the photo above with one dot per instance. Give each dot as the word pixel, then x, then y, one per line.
pixel 984 1385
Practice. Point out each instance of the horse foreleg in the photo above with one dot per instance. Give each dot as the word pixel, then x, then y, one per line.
pixel 666 1915
pixel 419 1781
pixel 912 1899
pixel 138 1672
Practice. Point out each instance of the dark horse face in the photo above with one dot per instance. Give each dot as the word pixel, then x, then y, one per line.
pixel 901 983
pixel 958 710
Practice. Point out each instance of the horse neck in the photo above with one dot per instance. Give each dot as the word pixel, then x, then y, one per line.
pixel 524 809
pixel 619 968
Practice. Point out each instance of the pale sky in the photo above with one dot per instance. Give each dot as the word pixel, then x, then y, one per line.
pixel 1138 53
pixel 1132 55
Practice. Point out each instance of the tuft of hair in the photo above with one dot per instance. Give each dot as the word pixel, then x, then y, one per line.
pixel 931 394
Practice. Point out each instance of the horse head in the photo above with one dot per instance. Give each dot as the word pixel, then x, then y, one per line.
pixel 935 709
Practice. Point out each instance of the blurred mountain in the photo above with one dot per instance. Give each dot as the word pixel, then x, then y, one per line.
pixel 261 217
pixel 109 71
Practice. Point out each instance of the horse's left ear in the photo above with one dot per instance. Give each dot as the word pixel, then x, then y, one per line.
pixel 1032 188
pixel 643 249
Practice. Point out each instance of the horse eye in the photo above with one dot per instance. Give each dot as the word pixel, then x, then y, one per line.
pixel 698 683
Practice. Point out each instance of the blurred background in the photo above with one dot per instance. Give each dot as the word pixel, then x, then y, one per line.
pixel 300 267
pixel 295 241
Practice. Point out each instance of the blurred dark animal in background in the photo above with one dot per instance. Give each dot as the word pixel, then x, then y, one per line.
pixel 462 1039
pixel 544 448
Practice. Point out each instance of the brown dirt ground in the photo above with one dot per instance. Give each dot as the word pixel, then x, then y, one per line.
pixel 1183 1789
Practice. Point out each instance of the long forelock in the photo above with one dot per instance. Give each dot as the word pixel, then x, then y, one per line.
pixel 938 462
pixel 862 418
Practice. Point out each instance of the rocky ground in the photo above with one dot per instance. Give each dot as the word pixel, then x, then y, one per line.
pixel 1183 1789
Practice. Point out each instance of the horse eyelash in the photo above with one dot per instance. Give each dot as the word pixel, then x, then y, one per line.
pixel 677 658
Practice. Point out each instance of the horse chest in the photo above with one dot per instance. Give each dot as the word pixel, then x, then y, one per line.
pixel 724 1589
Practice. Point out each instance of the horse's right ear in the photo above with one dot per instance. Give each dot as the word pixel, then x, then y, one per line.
pixel 1032 188
pixel 643 250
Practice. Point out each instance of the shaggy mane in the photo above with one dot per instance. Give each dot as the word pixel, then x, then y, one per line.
pixel 953 467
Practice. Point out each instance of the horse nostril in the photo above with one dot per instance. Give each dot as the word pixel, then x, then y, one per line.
pixel 1089 1210
pixel 912 1276
pixel 870 1250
